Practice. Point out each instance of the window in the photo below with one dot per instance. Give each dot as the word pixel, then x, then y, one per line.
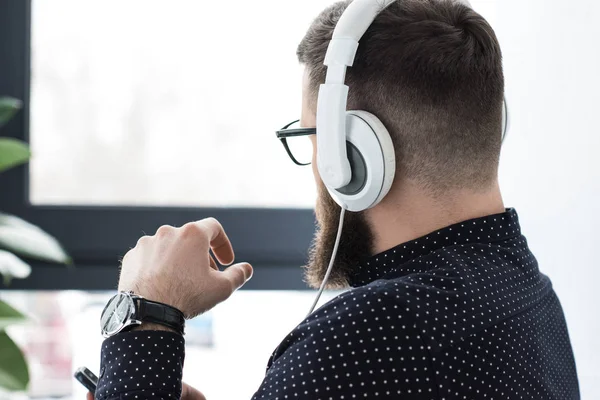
pixel 170 106
pixel 152 116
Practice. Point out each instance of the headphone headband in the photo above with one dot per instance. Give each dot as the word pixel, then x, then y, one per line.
pixel 332 162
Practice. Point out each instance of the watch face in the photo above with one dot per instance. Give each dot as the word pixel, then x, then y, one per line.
pixel 116 313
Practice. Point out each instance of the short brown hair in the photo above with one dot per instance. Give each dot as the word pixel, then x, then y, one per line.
pixel 431 70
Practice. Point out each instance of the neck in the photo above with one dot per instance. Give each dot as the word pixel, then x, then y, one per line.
pixel 412 213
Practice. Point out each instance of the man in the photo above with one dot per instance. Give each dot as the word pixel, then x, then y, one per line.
pixel 447 301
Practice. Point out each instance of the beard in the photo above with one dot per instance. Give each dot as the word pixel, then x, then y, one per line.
pixel 356 243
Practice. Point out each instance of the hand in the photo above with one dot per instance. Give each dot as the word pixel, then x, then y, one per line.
pixel 187 393
pixel 190 393
pixel 175 267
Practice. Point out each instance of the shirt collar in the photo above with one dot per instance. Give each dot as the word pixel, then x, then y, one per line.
pixel 488 229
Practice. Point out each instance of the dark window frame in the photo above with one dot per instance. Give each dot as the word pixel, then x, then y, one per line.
pixel 275 241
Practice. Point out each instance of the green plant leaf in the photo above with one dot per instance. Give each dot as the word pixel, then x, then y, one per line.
pixel 9 316
pixel 25 239
pixel 13 152
pixel 14 375
pixel 12 266
pixel 8 108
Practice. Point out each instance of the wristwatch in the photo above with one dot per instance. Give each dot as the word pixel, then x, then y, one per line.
pixel 126 310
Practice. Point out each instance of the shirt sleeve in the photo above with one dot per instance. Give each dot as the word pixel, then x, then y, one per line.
pixel 363 344
pixel 141 365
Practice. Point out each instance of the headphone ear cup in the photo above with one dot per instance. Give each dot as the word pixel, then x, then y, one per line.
pixel 372 160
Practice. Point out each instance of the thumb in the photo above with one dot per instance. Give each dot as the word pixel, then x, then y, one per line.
pixel 190 393
pixel 237 275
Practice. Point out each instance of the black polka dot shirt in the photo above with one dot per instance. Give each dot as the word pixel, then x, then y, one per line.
pixel 462 313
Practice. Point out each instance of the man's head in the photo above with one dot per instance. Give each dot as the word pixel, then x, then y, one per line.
pixel 431 71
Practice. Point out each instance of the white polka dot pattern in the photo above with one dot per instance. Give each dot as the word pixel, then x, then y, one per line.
pixel 141 365
pixel 462 313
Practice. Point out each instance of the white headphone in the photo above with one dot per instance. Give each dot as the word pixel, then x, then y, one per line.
pixel 355 154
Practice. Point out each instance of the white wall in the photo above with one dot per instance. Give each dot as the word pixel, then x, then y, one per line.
pixel 550 167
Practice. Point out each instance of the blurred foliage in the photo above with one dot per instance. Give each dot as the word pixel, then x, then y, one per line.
pixel 18 238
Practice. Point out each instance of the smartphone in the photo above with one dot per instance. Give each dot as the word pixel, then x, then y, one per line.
pixel 87 378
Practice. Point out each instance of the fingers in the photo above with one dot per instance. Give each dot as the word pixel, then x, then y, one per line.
pixel 232 278
pixel 190 393
pixel 219 242
pixel 89 396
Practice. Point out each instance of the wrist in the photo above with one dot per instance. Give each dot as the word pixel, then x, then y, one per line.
pixel 149 293
pixel 127 311
pixel 151 326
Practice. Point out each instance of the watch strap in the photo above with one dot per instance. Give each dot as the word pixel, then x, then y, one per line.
pixel 160 313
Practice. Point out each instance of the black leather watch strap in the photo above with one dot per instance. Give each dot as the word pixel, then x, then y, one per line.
pixel 162 314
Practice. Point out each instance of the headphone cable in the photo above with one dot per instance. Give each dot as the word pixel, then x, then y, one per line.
pixel 330 266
